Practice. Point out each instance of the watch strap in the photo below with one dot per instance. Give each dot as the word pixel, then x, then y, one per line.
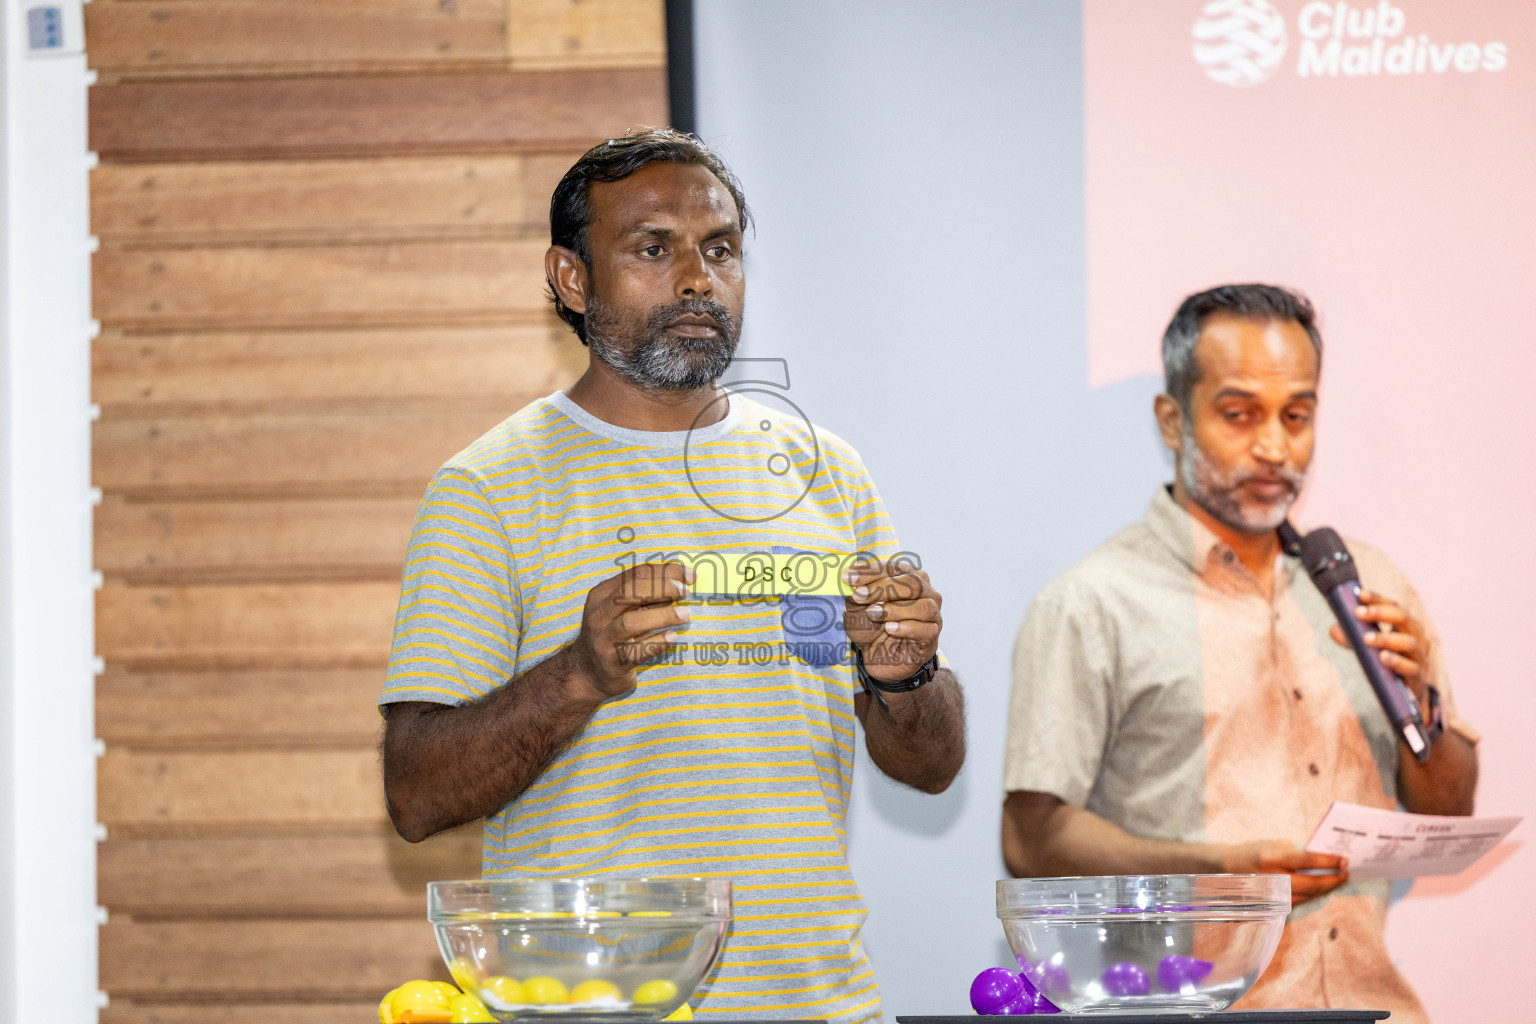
pixel 916 680
pixel 1436 722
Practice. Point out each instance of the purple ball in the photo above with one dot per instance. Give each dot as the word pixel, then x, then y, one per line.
pixel 1021 1006
pixel 1126 979
pixel 1044 1005
pixel 1174 972
pixel 995 989
pixel 1053 978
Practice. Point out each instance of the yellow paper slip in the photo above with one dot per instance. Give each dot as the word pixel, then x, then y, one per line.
pixel 762 573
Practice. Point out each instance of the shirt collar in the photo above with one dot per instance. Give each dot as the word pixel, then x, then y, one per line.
pixel 1190 540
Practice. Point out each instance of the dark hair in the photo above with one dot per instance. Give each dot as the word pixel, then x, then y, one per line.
pixel 570 208
pixel 1181 370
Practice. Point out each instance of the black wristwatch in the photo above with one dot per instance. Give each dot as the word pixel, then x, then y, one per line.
pixel 915 681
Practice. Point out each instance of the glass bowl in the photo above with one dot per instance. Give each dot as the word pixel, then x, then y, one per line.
pixel 623 948
pixel 1122 943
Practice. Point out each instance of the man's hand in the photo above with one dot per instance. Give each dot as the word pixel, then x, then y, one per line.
pixel 629 619
pixel 1399 638
pixel 1043 835
pixel 1280 857
pixel 447 764
pixel 893 618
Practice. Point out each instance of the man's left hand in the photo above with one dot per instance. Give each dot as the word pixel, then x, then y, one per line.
pixel 1397 635
pixel 893 617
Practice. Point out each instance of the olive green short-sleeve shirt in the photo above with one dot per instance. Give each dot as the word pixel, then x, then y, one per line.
pixel 1157 686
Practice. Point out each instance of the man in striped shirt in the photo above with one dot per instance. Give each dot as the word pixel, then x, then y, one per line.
pixel 561 669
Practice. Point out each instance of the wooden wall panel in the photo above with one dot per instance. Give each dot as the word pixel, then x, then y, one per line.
pixel 298 625
pixel 267 541
pixel 325 873
pixel 267 455
pixel 240 787
pixel 225 119
pixel 586 33
pixel 322 226
pixel 222 710
pixel 251 369
pixel 312 285
pixel 311 1011
pixel 363 199
pixel 360 958
pixel 227 37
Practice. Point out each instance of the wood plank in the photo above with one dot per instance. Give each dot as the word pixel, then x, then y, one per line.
pixel 361 958
pixel 240 787
pixel 294 625
pixel 235 37
pixel 586 33
pixel 374 198
pixel 272 455
pixel 310 1011
pixel 367 874
pixel 321 285
pixel 253 541
pixel 226 119
pixel 241 368
pixel 162 710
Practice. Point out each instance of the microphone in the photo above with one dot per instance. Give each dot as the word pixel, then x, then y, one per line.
pixel 1328 562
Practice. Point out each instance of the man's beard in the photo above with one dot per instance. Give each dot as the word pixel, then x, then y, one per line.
pixel 1216 492
pixel 646 355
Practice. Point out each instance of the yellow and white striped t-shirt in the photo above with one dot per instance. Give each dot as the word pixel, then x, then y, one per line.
pixel 734 756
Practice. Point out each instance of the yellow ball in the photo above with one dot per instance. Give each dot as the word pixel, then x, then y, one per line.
pixel 544 991
pixel 596 990
pixel 387 1015
pixel 420 1002
pixel 684 1012
pixel 652 992
pixel 464 973
pixel 503 990
pixel 466 1009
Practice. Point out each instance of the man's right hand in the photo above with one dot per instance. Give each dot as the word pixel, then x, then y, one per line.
pixel 629 619
pixel 1280 857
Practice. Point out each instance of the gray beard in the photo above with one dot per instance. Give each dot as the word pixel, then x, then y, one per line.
pixel 659 362
pixel 1216 492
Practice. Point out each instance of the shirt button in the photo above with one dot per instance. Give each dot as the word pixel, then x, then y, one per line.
pixel 1312 769
pixel 1333 933
pixel 1228 557
pixel 1296 694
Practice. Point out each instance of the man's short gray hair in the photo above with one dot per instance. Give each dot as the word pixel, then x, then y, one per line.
pixel 1181 370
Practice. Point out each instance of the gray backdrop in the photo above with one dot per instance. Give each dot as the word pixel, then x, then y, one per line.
pixel 916 173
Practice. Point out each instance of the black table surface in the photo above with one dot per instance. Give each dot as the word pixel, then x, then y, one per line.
pixel 1177 1017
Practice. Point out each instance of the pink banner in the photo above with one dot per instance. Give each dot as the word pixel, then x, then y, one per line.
pixel 1379 156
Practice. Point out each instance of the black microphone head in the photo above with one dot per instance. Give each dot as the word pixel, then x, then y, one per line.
pixel 1327 560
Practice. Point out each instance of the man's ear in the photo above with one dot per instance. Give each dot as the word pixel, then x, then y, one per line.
pixel 1170 421
pixel 567 275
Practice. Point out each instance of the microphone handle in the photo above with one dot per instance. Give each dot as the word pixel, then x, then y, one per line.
pixel 1395 697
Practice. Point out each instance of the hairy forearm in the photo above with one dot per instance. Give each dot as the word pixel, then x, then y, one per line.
pixel 917 738
pixel 446 765
pixel 1446 783
pixel 1044 836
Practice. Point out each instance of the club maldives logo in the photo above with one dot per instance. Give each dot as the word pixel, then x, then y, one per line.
pixel 1239 42
pixel 1243 42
